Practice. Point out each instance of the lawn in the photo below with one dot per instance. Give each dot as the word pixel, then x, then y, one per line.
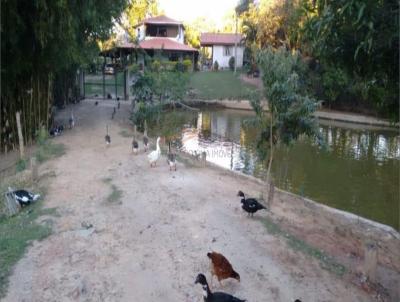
pixel 211 85
pixel 94 84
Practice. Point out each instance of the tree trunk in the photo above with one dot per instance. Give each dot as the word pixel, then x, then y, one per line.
pixel 20 137
pixel 271 157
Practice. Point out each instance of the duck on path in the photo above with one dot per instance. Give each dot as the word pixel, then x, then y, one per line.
pixel 250 205
pixel 209 296
pixel 135 144
pixel 155 155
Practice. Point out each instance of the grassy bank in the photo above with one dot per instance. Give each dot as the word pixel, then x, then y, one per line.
pixel 17 232
pixel 326 262
pixel 211 85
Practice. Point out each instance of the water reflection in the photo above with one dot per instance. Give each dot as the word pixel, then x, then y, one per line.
pixel 359 171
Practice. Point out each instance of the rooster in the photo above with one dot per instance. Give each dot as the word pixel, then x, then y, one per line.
pixel 209 296
pixel 221 268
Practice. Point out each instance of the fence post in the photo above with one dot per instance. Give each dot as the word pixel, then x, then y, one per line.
pixel 115 82
pixel 34 169
pixel 104 78
pixel 126 84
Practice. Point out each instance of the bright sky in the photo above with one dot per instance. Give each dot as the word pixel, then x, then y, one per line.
pixel 188 10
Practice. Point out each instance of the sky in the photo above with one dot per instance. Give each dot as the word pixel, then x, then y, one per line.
pixel 188 10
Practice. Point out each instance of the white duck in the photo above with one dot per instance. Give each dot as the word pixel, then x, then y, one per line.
pixel 155 155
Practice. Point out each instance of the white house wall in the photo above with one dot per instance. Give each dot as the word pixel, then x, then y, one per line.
pixel 223 61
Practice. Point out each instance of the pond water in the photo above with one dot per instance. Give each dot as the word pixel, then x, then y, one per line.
pixel 357 172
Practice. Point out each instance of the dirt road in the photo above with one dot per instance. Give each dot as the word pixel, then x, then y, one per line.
pixel 151 243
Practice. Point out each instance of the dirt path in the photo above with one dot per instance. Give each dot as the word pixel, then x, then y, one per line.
pixel 150 245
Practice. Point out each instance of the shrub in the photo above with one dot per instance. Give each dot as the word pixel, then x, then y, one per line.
pixel 232 63
pixel 180 67
pixel 216 66
pixel 334 81
pixel 188 64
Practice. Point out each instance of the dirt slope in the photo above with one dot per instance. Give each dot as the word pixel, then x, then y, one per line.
pixel 150 245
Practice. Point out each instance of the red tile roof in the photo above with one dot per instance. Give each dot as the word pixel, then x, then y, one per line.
pixel 165 43
pixel 207 39
pixel 160 20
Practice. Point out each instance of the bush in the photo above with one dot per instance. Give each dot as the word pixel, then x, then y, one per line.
pixel 180 67
pixel 232 63
pixel 216 66
pixel 334 81
pixel 188 64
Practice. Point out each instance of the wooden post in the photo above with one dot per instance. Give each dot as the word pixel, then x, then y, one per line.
pixel 370 260
pixel 271 193
pixel 11 204
pixel 104 79
pixel 34 169
pixel 20 137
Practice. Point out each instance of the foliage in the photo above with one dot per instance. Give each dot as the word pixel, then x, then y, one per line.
pixel 187 63
pixel 21 165
pixel 358 38
pixel 231 63
pixel 48 150
pixel 44 43
pixel 135 12
pixel 16 234
pixel 290 109
pixel 216 66
pixel 335 82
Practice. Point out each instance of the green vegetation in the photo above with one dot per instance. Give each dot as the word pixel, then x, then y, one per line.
pixel 125 133
pixel 327 262
pixel 49 151
pixel 45 42
pixel 16 234
pixel 350 47
pixel 21 165
pixel 219 85
pixel 290 109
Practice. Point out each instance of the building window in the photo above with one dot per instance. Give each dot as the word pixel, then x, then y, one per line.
pixel 227 51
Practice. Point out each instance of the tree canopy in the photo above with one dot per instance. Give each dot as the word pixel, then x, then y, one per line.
pixel 43 44
pixel 352 47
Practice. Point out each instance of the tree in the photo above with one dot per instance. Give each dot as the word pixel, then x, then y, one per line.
pixel 135 12
pixel 290 109
pixel 44 42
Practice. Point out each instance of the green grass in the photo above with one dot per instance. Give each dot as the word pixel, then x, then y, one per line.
pixel 21 165
pixel 326 262
pixel 115 194
pixel 213 85
pixel 48 150
pixel 16 234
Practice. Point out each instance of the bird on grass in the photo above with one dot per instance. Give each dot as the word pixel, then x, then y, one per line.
pixel 250 205
pixel 155 155
pixel 71 120
pixel 221 268
pixel 135 144
pixel 23 197
pixel 171 158
pixel 145 138
pixel 107 138
pixel 209 296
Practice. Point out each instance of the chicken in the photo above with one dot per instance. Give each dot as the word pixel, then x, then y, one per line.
pixel 209 296
pixel 221 268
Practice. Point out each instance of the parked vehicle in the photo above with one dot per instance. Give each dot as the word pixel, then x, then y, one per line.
pixel 109 69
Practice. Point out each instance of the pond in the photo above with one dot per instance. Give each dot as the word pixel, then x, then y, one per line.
pixel 357 172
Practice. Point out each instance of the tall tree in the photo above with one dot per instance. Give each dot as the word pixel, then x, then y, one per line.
pixel 43 44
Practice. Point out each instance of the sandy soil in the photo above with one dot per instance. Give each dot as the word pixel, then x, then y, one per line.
pixel 151 244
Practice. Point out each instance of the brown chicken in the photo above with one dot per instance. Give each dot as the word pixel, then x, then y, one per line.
pixel 221 268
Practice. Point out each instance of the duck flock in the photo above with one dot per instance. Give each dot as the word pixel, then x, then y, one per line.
pixel 221 268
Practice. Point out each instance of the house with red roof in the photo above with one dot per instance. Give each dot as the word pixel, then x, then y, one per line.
pixel 165 35
pixel 222 47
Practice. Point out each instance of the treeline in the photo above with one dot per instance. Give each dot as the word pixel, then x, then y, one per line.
pixel 351 47
pixel 43 45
